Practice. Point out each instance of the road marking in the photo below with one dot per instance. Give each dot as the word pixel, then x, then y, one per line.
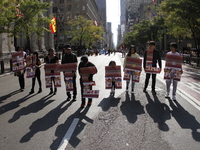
pixel 186 96
pixel 68 134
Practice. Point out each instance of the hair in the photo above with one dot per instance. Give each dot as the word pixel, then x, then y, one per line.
pixel 152 43
pixel 49 51
pixel 129 52
pixel 112 62
pixel 18 47
pixel 36 53
pixel 173 44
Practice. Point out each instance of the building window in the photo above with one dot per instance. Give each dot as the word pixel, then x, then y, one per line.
pixel 83 7
pixel 69 36
pixel 61 1
pixel 69 7
pixel 68 17
pixel 76 0
pixel 68 0
pixel 76 8
pixel 62 37
pixel 76 15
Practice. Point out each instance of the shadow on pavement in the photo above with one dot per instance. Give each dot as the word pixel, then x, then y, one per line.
pixel 32 108
pixel 2 98
pixel 158 111
pixel 63 128
pixel 108 102
pixel 131 108
pixel 14 104
pixel 46 122
pixel 185 119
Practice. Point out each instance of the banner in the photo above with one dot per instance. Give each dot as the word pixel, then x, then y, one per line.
pixel 87 92
pixel 17 61
pixel 52 72
pixel 149 62
pixel 173 64
pixel 133 64
pixel 30 66
pixel 113 74
pixel 136 76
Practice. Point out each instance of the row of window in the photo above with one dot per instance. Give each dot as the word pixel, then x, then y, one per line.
pixel 62 1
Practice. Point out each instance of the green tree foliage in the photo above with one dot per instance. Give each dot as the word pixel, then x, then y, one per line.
pixel 84 31
pixel 145 30
pixel 24 16
pixel 182 18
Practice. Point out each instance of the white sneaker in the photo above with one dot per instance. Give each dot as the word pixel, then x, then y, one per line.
pixel 174 98
pixel 167 95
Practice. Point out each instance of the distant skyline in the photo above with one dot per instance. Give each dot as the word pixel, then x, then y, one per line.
pixel 113 16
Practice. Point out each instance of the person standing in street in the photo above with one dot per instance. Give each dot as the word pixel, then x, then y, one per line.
pixel 37 75
pixel 20 74
pixel 50 59
pixel 70 57
pixel 85 63
pixel 173 48
pixel 131 53
pixel 155 59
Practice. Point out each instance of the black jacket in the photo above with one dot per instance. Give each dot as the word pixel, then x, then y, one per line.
pixel 156 59
pixel 69 58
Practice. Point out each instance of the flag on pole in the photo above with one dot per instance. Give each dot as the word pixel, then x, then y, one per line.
pixel 19 13
pixel 53 25
pixel 154 2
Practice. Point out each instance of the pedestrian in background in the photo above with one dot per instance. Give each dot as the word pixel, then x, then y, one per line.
pixel 51 58
pixel 37 75
pixel 85 63
pixel 20 74
pixel 131 53
pixel 156 59
pixel 173 48
pixel 70 57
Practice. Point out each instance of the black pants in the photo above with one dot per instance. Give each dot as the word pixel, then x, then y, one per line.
pixel 37 75
pixel 83 99
pixel 21 81
pixel 153 81
pixel 74 87
pixel 113 85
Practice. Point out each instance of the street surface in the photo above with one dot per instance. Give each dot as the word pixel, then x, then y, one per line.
pixel 139 121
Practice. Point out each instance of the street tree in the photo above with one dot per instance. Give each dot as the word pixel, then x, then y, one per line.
pixel 182 18
pixel 84 31
pixel 24 17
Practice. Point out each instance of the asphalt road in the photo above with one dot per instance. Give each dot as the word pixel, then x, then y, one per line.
pixel 126 121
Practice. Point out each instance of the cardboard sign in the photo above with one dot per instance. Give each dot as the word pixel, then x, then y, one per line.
pixel 17 62
pixel 69 67
pixel 90 93
pixel 69 83
pixel 116 80
pixel 173 64
pixel 112 71
pixel 149 62
pixel 88 70
pixel 133 64
pixel 30 66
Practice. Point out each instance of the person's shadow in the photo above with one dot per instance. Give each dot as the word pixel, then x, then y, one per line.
pixel 185 119
pixel 45 122
pixel 2 98
pixel 32 108
pixel 63 128
pixel 158 111
pixel 131 108
pixel 14 104
pixel 108 102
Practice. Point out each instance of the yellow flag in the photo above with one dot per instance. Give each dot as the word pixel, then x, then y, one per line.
pixel 53 25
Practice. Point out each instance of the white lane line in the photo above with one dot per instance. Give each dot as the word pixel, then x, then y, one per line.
pixel 68 134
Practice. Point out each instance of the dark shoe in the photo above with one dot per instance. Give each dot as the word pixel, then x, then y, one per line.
pixel 51 92
pixel 40 90
pixel 68 98
pixel 31 92
pixel 82 106
pixel 153 92
pixel 89 104
pixel 74 99
pixel 144 90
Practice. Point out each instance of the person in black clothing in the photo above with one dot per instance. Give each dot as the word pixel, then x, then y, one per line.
pixel 51 58
pixel 156 59
pixel 37 74
pixel 85 63
pixel 70 57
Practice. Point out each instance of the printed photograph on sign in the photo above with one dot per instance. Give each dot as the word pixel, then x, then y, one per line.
pixel 69 83
pixel 48 81
pixel 57 80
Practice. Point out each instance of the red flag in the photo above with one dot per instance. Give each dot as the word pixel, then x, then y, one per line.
pixel 53 25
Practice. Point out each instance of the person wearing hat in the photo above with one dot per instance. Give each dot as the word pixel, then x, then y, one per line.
pixel 85 63
pixel 156 59
pixel 173 47
pixel 69 57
